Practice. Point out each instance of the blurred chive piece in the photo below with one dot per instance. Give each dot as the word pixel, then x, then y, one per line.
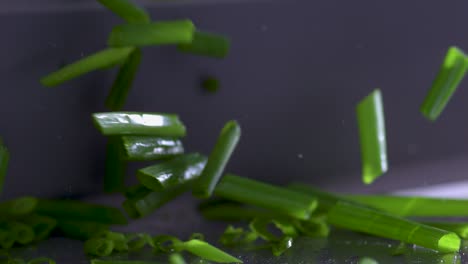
pixel 127 10
pixel 207 44
pixel 115 167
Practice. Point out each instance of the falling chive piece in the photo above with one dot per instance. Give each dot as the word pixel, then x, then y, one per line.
pixel 127 10
pixel 141 148
pixel 218 159
pixel 374 222
pixel 206 251
pixel 279 200
pixel 210 84
pixel 158 33
pixel 172 173
pixel 207 44
pixel 450 75
pixel 136 123
pixel 123 83
pixel 371 123
pixel 4 158
pixel 100 60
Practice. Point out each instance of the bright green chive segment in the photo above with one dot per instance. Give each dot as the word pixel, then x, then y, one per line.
pixel 19 206
pixel 80 230
pixel 233 236
pixel 141 124
pixel 219 157
pixel 207 44
pixel 99 247
pixel 370 116
pixel 115 168
pixel 141 148
pixel 4 158
pixel 367 260
pixel 277 199
pixel 42 225
pixel 100 261
pixel 445 84
pixel 123 82
pixel 127 10
pixel 138 241
pixel 206 251
pixel 176 259
pixel 374 222
pixel 460 228
pixel 173 172
pixel 159 33
pixel 414 206
pixel 279 247
pixel 80 211
pixel 119 239
pixel 100 60
pixel 145 201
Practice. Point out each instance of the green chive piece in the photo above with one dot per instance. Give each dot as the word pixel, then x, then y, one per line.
pixel 279 200
pixel 142 124
pixel 233 237
pixel 123 82
pixel 142 148
pixel 4 159
pixel 459 228
pixel 314 227
pixel 210 84
pixel 148 201
pixel 99 247
pixel 81 230
pixel 18 207
pixel 414 205
pixel 218 160
pixel 207 44
pixel 127 10
pixel 42 225
pixel 176 259
pixel 115 168
pixel 401 249
pixel 326 201
pixel 119 240
pixel 173 172
pixel 234 212
pixel 159 33
pixel 138 241
pixel 260 227
pixel 80 211
pixel 7 238
pixel 41 260
pixel 100 60
pixel 22 233
pixel 367 260
pixel 371 122
pixel 278 248
pixel 367 220
pixel 100 261
pixel 206 251
pixel 166 243
pixel 450 75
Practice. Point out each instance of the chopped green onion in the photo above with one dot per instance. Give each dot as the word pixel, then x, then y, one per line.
pixel 19 206
pixel 22 233
pixel 4 158
pixel 211 84
pixel 207 44
pixel 7 238
pixel 367 260
pixel 115 168
pixel 234 212
pixel 314 227
pixel 172 173
pixel 374 222
pixel 176 259
pixel 237 237
pixel 41 260
pixel 206 251
pixel 260 227
pixel 414 206
pixel 460 228
pixel 100 261
pixel 99 247
pixel 277 199
pixel 371 122
pixel 450 75
pixel 138 241
pixel 42 225
pixel 127 10
pixel 135 123
pixel 147 201
pixel 218 160
pixel 198 236
pixel 159 33
pixel 81 230
pixel 279 247
pixel 401 249
pixel 119 240
pixel 123 83
pixel 80 211
pixel 165 243
pixel 141 148
pixel 100 60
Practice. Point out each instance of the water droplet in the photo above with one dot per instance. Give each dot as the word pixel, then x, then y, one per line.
pixel 300 156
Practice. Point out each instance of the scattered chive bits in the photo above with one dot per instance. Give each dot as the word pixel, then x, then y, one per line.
pixel 127 10
pixel 210 84
pixel 100 60
pixel 218 159
pixel 207 44
pixel 156 33
pixel 451 73
pixel 371 123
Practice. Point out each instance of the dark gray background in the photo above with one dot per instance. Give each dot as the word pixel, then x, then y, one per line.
pixel 292 79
